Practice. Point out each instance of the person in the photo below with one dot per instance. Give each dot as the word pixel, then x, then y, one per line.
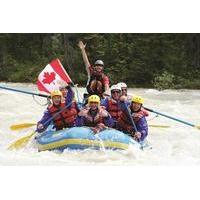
pixel 112 105
pixel 94 116
pixel 124 123
pixel 66 118
pixel 98 82
pixel 64 90
pixel 64 87
pixel 124 89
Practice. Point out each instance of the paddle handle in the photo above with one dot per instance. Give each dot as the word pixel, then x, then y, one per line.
pixel 23 91
pixel 129 114
pixel 170 117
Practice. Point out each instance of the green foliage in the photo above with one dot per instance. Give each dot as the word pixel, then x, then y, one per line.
pixel 164 81
pixel 142 60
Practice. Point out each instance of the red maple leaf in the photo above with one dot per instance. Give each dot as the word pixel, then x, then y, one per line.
pixel 48 78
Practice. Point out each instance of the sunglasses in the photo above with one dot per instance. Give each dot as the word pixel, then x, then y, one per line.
pixel 115 91
pixel 99 66
pixel 124 89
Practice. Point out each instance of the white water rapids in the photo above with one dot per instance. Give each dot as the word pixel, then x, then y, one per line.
pixel 177 145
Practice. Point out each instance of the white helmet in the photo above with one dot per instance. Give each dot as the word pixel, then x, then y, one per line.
pixel 99 62
pixel 122 85
pixel 115 87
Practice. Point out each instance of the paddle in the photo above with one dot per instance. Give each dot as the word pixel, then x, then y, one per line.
pixel 24 140
pixel 16 127
pixel 158 126
pixel 143 144
pixel 173 118
pixel 23 91
pixel 129 114
pixel 20 143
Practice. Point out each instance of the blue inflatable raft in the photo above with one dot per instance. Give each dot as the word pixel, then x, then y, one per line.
pixel 83 138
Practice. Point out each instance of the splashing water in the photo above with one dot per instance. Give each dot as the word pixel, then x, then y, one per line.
pixel 177 145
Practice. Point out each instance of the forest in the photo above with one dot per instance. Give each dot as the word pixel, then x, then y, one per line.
pixel 148 60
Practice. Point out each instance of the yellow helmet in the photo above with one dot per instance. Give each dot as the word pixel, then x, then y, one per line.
pixel 56 93
pixel 137 99
pixel 94 98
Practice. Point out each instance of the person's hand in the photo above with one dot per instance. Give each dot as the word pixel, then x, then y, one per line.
pixel 137 115
pixel 137 135
pixel 101 126
pixel 95 130
pixel 123 98
pixel 81 45
pixel 40 127
pixel 131 130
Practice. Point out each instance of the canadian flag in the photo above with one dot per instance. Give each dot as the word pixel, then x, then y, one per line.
pixel 52 76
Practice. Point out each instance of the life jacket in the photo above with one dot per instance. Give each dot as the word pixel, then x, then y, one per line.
pixel 96 84
pixel 66 118
pixel 114 109
pixel 91 121
pixel 124 121
pixel 145 112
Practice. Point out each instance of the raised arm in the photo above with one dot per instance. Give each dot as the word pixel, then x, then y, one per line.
pixel 84 55
pixel 70 96
pixel 106 85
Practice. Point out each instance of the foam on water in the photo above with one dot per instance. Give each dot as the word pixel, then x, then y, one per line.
pixel 177 145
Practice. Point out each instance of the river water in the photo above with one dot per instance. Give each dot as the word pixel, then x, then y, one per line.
pixel 177 145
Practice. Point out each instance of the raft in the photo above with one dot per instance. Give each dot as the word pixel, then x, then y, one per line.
pixel 80 138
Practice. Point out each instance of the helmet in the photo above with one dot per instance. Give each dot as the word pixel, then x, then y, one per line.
pixel 94 98
pixel 122 85
pixel 115 87
pixel 137 99
pixel 99 62
pixel 56 93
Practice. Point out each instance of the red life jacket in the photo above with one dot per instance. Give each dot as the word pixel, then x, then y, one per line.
pixel 66 118
pixel 114 109
pixel 145 112
pixel 91 121
pixel 95 78
pixel 124 121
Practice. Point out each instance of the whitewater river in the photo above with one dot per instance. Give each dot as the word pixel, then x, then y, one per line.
pixel 177 145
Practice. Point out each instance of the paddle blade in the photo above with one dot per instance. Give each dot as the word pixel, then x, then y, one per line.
pixel 159 126
pixel 20 143
pixel 15 127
